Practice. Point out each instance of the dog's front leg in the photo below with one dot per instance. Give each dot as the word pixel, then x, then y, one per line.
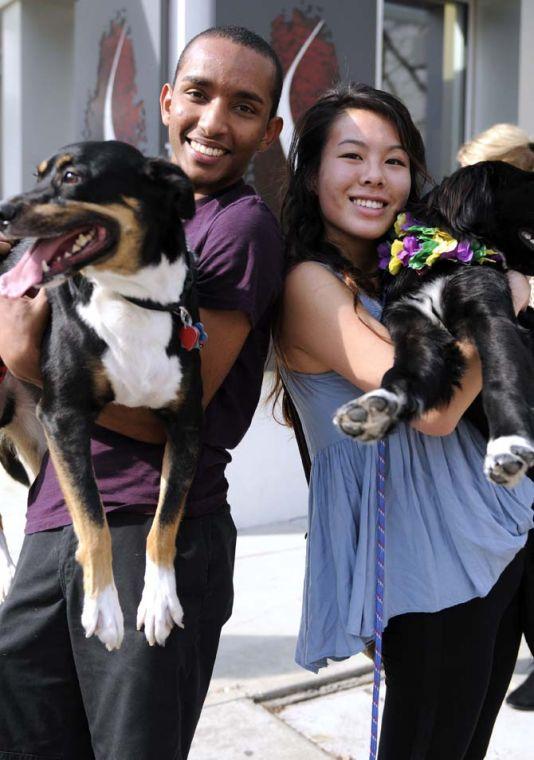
pixel 428 365
pixel 160 607
pixel 68 437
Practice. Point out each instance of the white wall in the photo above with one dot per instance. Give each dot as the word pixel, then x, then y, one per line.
pixel 266 478
pixel 526 67
pixel 37 86
pixel 495 60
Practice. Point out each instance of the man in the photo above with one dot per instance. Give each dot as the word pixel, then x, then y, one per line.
pixel 62 695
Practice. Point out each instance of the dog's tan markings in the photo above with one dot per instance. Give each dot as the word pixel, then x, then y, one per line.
pixel 43 166
pixel 101 383
pixel 161 541
pixel 63 161
pixel 94 541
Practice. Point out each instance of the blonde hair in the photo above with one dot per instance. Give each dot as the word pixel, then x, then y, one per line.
pixel 501 142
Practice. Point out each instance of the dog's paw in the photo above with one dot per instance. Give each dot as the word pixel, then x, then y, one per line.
pixel 507 459
pixel 369 417
pixel 160 608
pixel 102 616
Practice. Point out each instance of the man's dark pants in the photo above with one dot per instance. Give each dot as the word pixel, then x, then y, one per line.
pixel 65 696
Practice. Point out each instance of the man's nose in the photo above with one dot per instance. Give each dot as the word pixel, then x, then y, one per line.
pixel 213 120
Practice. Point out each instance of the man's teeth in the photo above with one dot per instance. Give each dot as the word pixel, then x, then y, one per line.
pixel 367 204
pixel 205 150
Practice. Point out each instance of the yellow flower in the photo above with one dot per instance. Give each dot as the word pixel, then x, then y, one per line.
pixel 395 263
pixel 400 220
pixel 445 243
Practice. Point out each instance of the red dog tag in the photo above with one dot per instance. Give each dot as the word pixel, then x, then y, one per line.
pixel 189 336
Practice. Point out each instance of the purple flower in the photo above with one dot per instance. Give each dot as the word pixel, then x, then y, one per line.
pixel 409 221
pixel 383 255
pixel 411 244
pixel 463 252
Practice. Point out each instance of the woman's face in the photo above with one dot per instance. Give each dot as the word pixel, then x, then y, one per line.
pixel 363 182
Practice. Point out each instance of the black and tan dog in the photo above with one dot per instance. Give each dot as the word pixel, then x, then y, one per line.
pixel 483 209
pixel 108 246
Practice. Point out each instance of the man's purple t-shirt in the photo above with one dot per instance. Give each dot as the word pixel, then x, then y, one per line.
pixel 240 260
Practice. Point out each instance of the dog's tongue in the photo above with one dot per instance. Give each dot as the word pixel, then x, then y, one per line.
pixel 28 271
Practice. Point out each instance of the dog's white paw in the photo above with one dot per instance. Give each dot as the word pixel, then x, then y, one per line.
pixel 507 459
pixel 160 608
pixel 7 568
pixel 102 616
pixel 369 417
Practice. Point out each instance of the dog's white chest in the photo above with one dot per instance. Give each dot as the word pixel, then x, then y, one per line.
pixel 136 361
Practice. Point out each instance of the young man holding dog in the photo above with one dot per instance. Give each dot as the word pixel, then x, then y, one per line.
pixel 65 696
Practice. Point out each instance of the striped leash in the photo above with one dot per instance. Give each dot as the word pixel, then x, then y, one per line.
pixel 379 593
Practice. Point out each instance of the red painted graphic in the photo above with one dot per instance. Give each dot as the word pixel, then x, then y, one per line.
pixel 114 111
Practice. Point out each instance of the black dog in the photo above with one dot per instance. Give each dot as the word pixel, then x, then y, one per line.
pixel 428 309
pixel 104 223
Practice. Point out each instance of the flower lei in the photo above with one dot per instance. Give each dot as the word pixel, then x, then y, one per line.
pixel 418 247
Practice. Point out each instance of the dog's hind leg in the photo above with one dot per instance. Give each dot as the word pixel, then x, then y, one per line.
pixel 428 365
pixel 160 607
pixel 507 397
pixel 68 436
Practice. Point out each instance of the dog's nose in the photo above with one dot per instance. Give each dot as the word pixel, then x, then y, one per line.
pixel 8 212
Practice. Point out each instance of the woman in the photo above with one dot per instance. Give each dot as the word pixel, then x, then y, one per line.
pixel 454 542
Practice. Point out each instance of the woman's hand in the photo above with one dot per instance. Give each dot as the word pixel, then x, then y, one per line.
pixel 520 289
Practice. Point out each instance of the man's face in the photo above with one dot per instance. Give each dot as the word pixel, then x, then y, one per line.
pixel 218 112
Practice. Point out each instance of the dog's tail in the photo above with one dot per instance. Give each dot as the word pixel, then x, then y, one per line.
pixel 10 461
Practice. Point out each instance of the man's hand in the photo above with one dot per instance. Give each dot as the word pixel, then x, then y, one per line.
pixel 22 323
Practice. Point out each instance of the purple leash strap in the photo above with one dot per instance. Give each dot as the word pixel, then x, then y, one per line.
pixel 379 593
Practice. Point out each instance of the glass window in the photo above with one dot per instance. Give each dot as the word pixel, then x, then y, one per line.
pixel 424 61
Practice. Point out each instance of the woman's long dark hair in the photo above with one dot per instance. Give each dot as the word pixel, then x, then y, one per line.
pixel 302 221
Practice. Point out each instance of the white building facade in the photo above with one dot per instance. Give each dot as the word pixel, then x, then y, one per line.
pixel 93 69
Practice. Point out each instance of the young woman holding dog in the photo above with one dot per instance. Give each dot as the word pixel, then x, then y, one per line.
pixel 454 542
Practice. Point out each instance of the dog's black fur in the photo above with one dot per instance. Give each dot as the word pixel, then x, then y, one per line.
pixel 427 312
pixel 132 205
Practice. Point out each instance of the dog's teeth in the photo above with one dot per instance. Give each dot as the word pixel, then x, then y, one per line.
pixel 76 247
pixel 67 255
pixel 44 266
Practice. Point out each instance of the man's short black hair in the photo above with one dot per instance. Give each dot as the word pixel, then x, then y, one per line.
pixel 242 36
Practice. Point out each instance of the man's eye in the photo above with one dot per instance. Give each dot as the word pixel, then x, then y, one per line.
pixel 70 178
pixel 244 108
pixel 196 94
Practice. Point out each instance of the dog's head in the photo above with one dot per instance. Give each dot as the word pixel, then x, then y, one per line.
pixel 493 202
pixel 98 204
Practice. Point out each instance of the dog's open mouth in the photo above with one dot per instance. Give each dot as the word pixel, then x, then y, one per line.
pixel 527 238
pixel 49 258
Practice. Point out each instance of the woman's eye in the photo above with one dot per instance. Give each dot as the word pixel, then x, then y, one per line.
pixel 352 155
pixel 396 162
pixel 70 178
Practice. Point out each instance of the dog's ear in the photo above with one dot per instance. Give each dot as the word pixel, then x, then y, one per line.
pixel 161 171
pixel 464 201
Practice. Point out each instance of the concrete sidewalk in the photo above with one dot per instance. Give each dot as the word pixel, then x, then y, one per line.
pixel 260 704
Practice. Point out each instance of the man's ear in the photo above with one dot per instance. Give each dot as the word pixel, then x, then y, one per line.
pixel 165 99
pixel 272 131
pixel 178 184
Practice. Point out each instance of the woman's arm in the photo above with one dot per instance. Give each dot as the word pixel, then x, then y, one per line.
pixel 321 331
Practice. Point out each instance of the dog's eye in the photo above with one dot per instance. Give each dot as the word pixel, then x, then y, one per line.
pixel 70 178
